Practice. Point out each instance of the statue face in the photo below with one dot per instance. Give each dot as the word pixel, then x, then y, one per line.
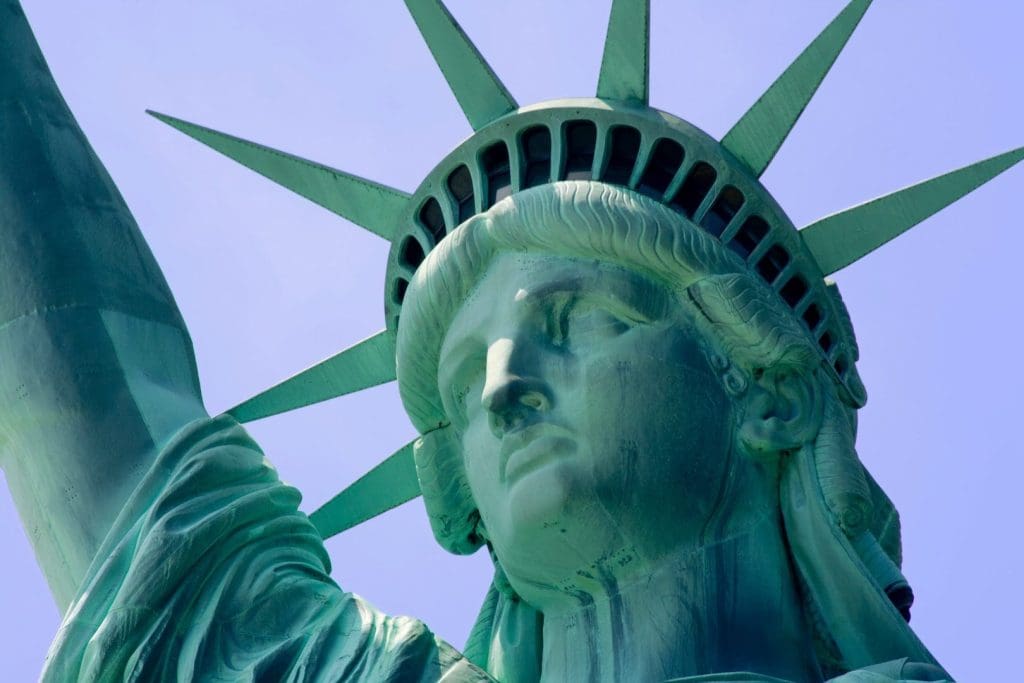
pixel 595 435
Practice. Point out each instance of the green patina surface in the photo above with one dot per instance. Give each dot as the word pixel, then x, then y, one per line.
pixel 552 284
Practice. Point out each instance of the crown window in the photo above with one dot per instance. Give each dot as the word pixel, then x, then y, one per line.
pixel 411 254
pixel 722 211
pixel 749 236
pixel 432 219
pixel 812 316
pixel 696 186
pixel 665 160
pixel 400 286
pixel 793 291
pixel 625 145
pixel 580 138
pixel 460 184
pixel 496 167
pixel 825 342
pixel 536 143
pixel 772 263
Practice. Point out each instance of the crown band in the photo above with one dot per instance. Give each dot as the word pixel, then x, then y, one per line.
pixel 644 150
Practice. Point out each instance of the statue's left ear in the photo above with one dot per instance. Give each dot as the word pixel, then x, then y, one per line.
pixel 782 413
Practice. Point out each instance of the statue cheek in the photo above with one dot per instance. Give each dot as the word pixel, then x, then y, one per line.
pixel 657 419
pixel 604 401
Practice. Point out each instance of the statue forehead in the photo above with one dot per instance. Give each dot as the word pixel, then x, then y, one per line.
pixel 515 286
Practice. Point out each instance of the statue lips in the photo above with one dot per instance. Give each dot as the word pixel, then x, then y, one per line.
pixel 532 444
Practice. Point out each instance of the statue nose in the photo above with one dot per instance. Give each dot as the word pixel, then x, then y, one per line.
pixel 513 390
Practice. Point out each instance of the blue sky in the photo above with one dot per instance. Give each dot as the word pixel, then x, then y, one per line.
pixel 269 283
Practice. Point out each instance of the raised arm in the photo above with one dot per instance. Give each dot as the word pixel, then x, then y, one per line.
pixel 189 558
pixel 96 366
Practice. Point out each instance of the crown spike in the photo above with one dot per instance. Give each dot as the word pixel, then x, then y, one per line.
pixel 386 486
pixel 361 366
pixel 479 91
pixel 369 205
pixel 759 134
pixel 838 240
pixel 625 66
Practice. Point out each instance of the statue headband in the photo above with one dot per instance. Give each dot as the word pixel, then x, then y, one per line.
pixel 614 138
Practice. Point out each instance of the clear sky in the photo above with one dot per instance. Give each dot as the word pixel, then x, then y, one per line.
pixel 270 283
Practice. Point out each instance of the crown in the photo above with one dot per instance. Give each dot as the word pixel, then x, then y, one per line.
pixel 614 138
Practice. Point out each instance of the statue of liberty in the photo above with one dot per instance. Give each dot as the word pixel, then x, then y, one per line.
pixel 634 388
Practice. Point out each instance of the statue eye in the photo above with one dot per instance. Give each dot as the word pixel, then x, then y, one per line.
pixel 558 319
pixel 576 321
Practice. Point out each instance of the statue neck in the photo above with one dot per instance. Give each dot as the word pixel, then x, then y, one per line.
pixel 726 607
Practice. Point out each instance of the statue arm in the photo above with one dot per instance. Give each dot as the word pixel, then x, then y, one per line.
pixel 182 552
pixel 96 366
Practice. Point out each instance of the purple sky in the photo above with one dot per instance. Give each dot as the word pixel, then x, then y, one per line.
pixel 270 283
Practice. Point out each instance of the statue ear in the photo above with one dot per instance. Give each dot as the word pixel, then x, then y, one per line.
pixel 782 411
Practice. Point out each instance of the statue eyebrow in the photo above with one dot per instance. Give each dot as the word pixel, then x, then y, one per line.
pixel 641 294
pixel 622 288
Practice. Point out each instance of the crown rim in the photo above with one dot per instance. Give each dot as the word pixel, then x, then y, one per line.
pixel 640 149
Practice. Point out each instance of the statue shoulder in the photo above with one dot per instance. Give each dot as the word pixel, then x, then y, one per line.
pixel 211 571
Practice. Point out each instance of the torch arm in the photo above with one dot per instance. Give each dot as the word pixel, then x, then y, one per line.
pixel 96 365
